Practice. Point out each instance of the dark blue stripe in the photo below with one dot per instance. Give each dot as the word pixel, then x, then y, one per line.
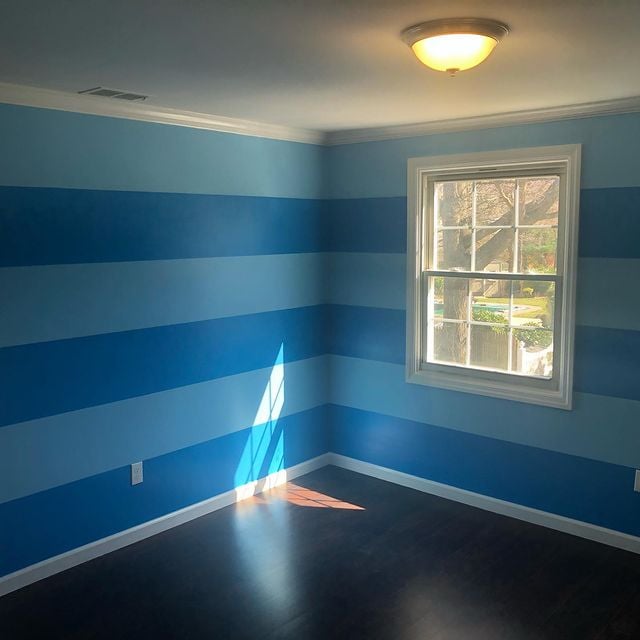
pixel 529 476
pixel 57 520
pixel 52 226
pixel 610 223
pixel 607 361
pixel 47 378
pixel 367 224
pixel 366 332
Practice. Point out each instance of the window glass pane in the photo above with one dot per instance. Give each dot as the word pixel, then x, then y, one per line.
pixel 532 321
pixel 532 352
pixel 490 301
pixel 450 342
pixel 454 249
pixel 537 250
pixel 539 198
pixel 490 346
pixel 533 303
pixel 454 203
pixel 495 202
pixel 494 250
pixel 451 298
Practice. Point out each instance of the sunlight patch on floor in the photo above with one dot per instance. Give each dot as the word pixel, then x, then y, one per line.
pixel 302 497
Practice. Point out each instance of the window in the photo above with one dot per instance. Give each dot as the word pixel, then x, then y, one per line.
pixel 492 248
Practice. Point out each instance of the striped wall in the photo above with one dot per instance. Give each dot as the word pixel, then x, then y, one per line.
pixel 578 463
pixel 162 293
pixel 224 306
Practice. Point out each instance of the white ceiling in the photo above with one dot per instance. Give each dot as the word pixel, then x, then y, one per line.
pixel 321 64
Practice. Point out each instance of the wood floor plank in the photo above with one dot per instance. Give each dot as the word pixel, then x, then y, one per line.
pixel 340 555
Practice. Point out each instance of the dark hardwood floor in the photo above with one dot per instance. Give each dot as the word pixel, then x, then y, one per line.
pixel 305 562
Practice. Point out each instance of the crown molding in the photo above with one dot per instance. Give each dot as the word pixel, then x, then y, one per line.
pixel 95 105
pixel 584 110
pixel 78 103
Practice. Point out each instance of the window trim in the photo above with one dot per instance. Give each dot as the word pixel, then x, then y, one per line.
pixel 562 158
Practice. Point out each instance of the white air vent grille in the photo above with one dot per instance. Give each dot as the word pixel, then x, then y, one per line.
pixel 114 93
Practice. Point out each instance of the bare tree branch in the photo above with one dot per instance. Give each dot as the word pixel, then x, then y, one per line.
pixel 499 242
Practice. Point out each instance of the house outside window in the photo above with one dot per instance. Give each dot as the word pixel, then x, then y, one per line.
pixel 492 249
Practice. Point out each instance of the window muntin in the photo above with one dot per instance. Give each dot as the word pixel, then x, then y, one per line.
pixel 492 251
pixel 496 226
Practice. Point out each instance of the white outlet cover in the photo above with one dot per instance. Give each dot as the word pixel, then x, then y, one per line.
pixel 636 486
pixel 136 473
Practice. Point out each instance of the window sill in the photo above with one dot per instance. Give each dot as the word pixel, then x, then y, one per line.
pixel 556 398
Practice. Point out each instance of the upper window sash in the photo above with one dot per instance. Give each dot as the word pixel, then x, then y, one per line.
pixel 429 230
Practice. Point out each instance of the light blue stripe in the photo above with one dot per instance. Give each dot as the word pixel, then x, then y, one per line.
pixel 599 427
pixel 48 452
pixel 608 293
pixel 379 169
pixel 47 148
pixel 606 287
pixel 66 301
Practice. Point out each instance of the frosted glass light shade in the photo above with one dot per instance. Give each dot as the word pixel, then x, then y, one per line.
pixel 454 45
pixel 456 51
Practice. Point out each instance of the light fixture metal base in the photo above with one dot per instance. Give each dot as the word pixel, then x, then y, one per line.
pixel 446 26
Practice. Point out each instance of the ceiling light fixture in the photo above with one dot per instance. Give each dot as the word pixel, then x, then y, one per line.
pixel 454 44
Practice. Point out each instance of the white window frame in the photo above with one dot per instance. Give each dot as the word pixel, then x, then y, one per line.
pixel 565 161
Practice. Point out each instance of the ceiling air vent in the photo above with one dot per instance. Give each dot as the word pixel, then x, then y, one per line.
pixel 114 93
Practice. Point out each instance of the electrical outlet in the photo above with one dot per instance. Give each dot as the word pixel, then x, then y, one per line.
pixel 636 486
pixel 136 473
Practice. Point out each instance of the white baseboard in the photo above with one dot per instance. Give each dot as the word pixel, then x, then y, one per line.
pixel 64 561
pixel 510 509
